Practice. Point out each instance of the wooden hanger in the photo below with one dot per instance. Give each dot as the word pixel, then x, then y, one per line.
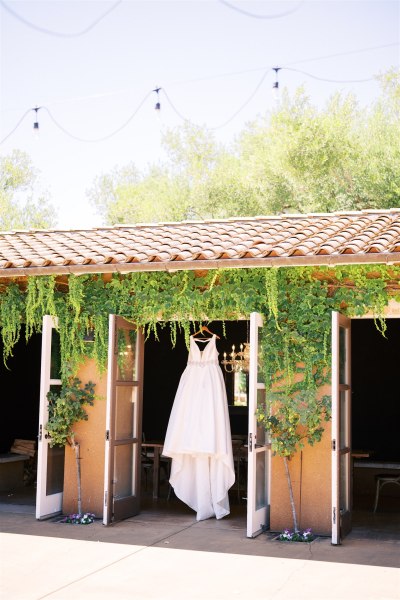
pixel 204 328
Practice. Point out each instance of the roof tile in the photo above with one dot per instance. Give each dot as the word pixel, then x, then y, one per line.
pixel 359 234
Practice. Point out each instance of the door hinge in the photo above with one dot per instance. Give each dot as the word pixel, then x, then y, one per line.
pixel 107 435
pixel 250 442
pixel 40 432
pixel 334 515
pixel 105 497
pixel 333 445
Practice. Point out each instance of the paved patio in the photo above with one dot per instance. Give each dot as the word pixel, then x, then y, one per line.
pixel 164 553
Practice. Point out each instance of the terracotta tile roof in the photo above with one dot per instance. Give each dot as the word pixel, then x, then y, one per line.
pixel 369 236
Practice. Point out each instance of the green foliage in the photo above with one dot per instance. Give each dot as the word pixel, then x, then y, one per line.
pixel 39 301
pixel 295 341
pixel 17 176
pixel 294 418
pixel 67 408
pixel 11 315
pixel 297 159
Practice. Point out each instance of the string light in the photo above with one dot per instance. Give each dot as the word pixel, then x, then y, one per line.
pixel 158 103
pixel 36 122
pixel 157 106
pixel 276 82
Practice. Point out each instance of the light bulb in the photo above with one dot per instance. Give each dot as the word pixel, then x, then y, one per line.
pixel 275 86
pixel 36 130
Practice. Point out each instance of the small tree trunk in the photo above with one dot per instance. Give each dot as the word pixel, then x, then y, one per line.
pixel 76 448
pixel 292 504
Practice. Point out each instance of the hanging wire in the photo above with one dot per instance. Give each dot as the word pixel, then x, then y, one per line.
pixel 305 60
pixel 176 111
pixel 232 73
pixel 181 116
pixel 337 54
pixel 257 16
pixel 249 99
pixel 71 135
pixel 17 125
pixel 58 33
pixel 105 137
pixel 328 80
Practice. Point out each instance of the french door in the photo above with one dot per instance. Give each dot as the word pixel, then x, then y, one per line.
pixel 341 427
pixel 50 469
pixel 123 420
pixel 259 448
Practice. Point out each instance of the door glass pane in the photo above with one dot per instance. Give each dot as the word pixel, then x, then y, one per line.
pixel 55 389
pixel 55 470
pixel 260 365
pixel 126 349
pixel 261 487
pixel 343 420
pixel 240 388
pixel 342 355
pixel 124 465
pixel 125 412
pixel 55 358
pixel 260 427
pixel 344 478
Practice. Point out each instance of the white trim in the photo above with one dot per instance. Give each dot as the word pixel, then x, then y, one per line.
pixel 257 519
pixel 46 505
pixel 107 466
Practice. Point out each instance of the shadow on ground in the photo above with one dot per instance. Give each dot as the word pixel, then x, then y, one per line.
pixel 375 539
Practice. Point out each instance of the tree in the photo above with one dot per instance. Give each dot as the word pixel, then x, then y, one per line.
pixel 337 158
pixel 293 419
pixel 66 408
pixel 126 196
pixel 297 159
pixel 18 207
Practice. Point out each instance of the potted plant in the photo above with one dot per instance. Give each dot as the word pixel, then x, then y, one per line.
pixel 66 408
pixel 293 417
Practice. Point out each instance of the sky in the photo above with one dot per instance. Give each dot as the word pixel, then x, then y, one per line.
pixel 91 66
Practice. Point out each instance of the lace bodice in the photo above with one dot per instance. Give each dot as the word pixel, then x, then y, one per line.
pixel 201 358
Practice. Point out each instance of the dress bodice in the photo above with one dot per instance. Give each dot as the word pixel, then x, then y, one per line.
pixel 204 357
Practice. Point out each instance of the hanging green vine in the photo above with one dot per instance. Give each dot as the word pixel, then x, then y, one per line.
pixel 296 303
pixel 11 314
pixel 39 301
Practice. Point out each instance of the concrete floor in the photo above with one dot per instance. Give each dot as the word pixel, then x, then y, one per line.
pixel 165 553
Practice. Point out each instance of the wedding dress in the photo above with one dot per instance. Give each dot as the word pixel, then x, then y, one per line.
pixel 198 437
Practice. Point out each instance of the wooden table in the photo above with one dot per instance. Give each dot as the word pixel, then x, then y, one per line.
pixel 372 464
pixel 360 453
pixel 157 451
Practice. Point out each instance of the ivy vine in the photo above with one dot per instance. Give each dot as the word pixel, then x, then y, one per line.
pixel 296 303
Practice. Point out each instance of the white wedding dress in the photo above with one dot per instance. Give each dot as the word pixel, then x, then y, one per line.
pixel 198 437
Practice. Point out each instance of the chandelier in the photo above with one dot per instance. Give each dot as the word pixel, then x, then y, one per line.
pixel 235 362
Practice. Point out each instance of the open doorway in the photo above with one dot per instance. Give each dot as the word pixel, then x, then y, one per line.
pixel 20 387
pixel 163 367
pixel 375 424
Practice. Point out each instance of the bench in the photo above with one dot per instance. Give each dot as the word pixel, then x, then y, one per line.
pixel 12 470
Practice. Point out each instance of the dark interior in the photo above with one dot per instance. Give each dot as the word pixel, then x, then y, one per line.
pixel 376 388
pixel 375 381
pixel 20 387
pixel 164 366
pixel 375 397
